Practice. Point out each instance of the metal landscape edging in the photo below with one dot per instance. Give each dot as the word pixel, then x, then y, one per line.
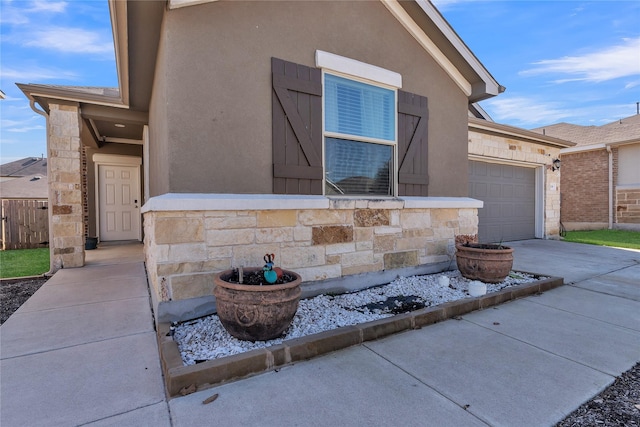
pixel 213 372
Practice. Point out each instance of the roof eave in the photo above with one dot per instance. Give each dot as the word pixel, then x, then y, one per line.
pixel 487 86
pixel 36 92
pixel 118 13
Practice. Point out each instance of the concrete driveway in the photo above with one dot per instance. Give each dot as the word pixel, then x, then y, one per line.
pixel 77 355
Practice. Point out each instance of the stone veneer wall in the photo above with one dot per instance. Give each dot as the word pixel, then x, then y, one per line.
pixel 65 186
pixel 628 207
pixel 317 237
pixel 503 148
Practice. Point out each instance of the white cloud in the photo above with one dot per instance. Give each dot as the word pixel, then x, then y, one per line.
pixel 632 84
pixel 34 73
pixel 531 112
pixel 522 111
pixel 70 40
pixel 23 124
pixel 622 60
pixel 10 98
pixel 48 6
pixel 12 16
pixel 18 14
pixel 25 129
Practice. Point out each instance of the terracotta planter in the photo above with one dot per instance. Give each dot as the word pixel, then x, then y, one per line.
pixel 487 263
pixel 256 313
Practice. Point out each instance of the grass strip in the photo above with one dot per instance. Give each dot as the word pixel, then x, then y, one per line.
pixel 615 238
pixel 24 262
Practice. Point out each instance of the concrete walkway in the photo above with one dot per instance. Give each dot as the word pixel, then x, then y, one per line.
pixel 82 351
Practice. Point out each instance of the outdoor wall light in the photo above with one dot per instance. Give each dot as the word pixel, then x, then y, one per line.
pixel 556 165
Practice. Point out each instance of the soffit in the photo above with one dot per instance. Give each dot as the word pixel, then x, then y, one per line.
pixel 143 23
pixel 100 108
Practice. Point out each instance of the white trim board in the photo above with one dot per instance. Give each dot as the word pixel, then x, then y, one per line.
pixel 356 68
pixel 222 202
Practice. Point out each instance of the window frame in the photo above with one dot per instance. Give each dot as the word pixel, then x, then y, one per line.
pixel 357 138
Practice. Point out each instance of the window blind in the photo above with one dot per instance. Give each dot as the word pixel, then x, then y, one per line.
pixel 359 109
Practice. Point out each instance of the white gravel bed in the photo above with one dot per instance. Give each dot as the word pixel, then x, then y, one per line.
pixel 205 338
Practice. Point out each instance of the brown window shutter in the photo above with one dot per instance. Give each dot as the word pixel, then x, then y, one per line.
pixel 296 128
pixel 413 114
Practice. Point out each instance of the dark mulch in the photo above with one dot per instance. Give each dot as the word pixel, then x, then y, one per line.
pixel 618 405
pixel 256 278
pixel 14 293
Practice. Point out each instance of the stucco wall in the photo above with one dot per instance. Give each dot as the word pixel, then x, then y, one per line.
pixel 211 108
pixel 158 126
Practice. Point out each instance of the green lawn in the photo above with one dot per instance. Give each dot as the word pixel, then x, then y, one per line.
pixel 616 238
pixel 24 262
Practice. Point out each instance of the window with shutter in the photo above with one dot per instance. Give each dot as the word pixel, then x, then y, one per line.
pixel 375 136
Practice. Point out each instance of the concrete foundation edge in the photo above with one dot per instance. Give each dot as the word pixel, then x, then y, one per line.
pixel 214 372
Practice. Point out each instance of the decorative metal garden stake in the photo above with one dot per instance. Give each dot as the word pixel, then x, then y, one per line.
pixel 269 274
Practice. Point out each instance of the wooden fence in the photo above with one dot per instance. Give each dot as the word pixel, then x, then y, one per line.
pixel 25 224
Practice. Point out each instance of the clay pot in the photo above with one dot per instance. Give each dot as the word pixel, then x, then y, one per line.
pixel 487 263
pixel 256 313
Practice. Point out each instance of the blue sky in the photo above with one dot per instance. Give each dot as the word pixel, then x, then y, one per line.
pixel 561 61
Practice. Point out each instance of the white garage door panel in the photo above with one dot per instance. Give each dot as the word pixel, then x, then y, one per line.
pixel 508 193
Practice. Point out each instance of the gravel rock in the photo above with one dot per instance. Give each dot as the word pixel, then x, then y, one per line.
pixel 205 338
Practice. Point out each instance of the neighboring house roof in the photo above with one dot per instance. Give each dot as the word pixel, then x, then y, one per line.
pixel 24 167
pixel 136 27
pixel 26 187
pixel 484 126
pixel 622 130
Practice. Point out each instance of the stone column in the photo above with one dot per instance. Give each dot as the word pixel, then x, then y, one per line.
pixel 65 186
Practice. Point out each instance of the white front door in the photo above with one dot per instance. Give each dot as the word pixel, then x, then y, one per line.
pixel 119 202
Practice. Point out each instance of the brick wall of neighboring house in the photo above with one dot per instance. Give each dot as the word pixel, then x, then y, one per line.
pixel 585 187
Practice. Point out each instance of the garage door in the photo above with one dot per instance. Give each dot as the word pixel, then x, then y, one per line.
pixel 508 193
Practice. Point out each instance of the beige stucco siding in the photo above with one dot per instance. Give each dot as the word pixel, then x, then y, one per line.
pixel 159 126
pixel 210 119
